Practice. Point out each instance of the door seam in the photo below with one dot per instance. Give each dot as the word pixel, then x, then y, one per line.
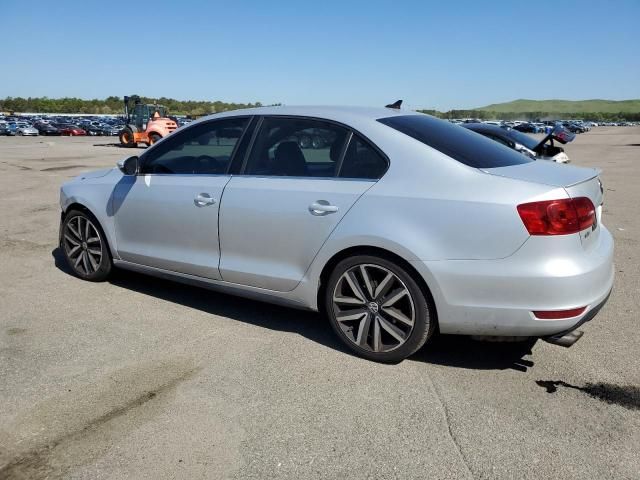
pixel 329 236
pixel 219 232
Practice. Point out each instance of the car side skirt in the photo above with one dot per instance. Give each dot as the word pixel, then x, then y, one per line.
pixel 254 293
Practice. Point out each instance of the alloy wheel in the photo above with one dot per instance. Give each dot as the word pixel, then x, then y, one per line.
pixel 374 308
pixel 83 245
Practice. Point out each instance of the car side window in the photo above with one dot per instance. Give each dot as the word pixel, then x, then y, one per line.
pixel 362 161
pixel 204 149
pixel 296 147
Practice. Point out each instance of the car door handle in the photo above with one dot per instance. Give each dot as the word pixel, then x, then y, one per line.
pixel 204 199
pixel 322 207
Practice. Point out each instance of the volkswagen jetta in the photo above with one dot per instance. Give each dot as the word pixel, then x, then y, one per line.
pixel 393 224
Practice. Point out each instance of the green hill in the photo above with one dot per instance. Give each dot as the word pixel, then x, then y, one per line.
pixel 565 106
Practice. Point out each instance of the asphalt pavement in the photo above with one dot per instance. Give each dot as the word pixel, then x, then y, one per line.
pixel 143 378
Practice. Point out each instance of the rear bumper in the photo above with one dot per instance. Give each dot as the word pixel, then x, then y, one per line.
pixel 570 336
pixel 497 297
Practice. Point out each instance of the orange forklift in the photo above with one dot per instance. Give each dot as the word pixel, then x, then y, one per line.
pixel 145 123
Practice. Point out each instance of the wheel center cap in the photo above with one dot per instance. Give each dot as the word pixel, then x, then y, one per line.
pixel 373 307
pixel 84 245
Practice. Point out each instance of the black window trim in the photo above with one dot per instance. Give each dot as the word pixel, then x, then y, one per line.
pixel 247 153
pixel 350 134
pixel 343 153
pixel 143 157
pixel 250 129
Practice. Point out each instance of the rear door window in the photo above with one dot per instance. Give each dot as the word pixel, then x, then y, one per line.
pixel 361 160
pixel 296 147
pixel 459 143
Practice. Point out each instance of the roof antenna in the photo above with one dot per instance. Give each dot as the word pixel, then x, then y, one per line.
pixel 395 105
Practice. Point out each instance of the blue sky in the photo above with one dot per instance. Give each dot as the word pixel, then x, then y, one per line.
pixel 433 54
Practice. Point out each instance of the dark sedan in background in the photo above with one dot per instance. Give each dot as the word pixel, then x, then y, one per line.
pixel 544 149
pixel 46 129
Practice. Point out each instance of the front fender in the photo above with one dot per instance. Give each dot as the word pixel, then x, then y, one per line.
pixel 96 196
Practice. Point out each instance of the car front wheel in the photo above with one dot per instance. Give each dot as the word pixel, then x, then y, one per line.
pixel 85 247
pixel 378 309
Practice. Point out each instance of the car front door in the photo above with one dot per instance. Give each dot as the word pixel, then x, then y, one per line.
pixel 276 215
pixel 167 216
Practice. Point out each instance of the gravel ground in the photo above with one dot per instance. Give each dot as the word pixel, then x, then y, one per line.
pixel 140 377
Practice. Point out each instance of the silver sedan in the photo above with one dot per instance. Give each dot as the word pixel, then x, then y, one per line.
pixel 27 130
pixel 393 224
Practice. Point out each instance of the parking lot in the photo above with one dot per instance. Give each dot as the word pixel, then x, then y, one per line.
pixel 144 378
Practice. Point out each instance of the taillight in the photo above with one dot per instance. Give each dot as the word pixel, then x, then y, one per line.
pixel 558 217
pixel 559 314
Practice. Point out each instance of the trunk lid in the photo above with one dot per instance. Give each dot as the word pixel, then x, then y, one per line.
pixel 576 181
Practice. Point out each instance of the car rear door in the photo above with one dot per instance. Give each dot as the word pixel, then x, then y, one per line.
pixel 167 216
pixel 276 215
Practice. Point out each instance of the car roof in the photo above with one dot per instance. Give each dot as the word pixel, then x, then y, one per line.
pixel 336 113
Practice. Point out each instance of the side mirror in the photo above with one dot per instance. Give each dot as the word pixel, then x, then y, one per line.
pixel 129 166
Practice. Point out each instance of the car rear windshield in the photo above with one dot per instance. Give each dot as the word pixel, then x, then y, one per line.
pixel 457 142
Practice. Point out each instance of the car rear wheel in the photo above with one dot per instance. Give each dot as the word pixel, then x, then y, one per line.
pixel 85 247
pixel 377 308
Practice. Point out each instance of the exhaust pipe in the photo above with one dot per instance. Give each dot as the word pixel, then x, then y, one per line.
pixel 568 338
pixel 565 340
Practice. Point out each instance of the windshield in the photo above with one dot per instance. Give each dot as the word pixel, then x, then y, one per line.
pixel 455 141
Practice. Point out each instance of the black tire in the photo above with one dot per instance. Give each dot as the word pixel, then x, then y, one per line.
pixel 424 316
pixel 126 138
pixel 69 240
pixel 154 137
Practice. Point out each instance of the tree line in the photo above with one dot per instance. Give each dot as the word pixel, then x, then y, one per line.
pixel 114 105
pixel 532 116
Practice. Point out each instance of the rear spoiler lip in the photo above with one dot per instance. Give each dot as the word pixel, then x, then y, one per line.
pixel 596 174
pixel 495 171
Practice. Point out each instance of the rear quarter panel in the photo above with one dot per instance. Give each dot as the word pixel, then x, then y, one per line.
pixel 428 207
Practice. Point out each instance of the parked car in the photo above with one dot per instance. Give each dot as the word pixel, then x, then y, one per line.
pixel 401 225
pixel 46 129
pixel 26 130
pixel 93 130
pixel 5 130
pixel 70 130
pixel 574 127
pixel 526 127
pixel 105 130
pixel 13 128
pixel 114 130
pixel 543 149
